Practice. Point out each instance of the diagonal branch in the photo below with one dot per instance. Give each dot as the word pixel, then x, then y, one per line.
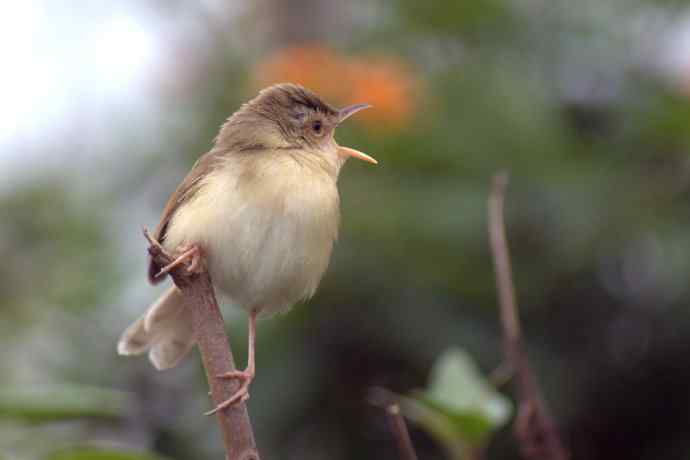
pixel 209 332
pixel 534 428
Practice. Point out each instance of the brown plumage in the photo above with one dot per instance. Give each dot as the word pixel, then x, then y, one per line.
pixel 262 207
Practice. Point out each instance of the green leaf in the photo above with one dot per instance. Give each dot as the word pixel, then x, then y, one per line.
pixel 460 408
pixel 40 403
pixel 92 453
pixel 458 386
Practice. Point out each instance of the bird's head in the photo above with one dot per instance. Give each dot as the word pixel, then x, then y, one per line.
pixel 290 117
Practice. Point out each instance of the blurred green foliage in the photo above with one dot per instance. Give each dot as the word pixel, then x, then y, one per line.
pixel 46 403
pixel 50 240
pixel 578 100
pixel 100 454
pixel 459 408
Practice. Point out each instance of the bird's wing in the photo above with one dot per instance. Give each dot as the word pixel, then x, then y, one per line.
pixel 189 186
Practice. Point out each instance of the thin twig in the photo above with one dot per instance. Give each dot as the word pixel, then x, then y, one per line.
pixel 402 436
pixel 388 401
pixel 501 375
pixel 499 246
pixel 534 429
pixel 216 355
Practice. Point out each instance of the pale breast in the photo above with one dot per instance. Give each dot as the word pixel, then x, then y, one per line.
pixel 267 224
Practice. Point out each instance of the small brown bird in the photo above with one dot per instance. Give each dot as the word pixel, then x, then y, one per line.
pixel 262 208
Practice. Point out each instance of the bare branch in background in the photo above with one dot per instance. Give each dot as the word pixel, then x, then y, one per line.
pixel 399 429
pixel 388 401
pixel 534 428
pixel 209 331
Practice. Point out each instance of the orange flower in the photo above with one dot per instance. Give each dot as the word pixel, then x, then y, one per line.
pixel 382 81
pixel 314 67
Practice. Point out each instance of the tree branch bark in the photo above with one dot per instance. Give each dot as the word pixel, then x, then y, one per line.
pixel 533 427
pixel 216 355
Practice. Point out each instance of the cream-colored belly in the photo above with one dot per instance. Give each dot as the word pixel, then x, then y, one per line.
pixel 267 238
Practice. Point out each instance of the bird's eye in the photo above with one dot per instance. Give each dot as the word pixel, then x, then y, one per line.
pixel 316 126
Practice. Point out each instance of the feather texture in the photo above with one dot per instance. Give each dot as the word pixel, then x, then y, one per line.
pixel 165 331
pixel 267 223
pixel 263 207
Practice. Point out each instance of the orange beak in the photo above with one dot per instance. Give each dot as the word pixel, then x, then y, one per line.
pixel 347 151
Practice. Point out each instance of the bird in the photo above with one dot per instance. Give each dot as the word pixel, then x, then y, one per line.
pixel 260 212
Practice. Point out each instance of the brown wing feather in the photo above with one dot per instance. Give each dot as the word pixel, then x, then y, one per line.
pixel 184 192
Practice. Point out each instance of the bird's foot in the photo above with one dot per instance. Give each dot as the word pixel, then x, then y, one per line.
pixel 241 395
pixel 189 254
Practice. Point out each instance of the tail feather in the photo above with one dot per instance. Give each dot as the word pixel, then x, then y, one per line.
pixel 164 310
pixel 165 331
pixel 174 342
pixel 135 340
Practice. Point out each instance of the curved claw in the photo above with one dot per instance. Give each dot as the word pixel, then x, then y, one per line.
pixel 239 397
pixel 242 393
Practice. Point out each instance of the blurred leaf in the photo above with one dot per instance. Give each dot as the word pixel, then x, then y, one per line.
pixel 90 453
pixel 458 386
pixel 459 408
pixel 43 403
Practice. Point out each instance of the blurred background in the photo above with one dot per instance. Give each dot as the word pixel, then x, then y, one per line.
pixel 104 106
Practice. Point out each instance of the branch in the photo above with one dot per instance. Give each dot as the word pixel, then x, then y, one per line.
pixel 534 429
pixel 209 332
pixel 388 402
pixel 402 436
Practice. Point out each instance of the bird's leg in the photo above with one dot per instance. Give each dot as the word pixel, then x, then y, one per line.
pixel 188 253
pixel 246 376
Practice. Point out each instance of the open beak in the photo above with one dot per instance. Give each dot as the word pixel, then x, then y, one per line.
pixel 345 152
pixel 348 152
pixel 347 112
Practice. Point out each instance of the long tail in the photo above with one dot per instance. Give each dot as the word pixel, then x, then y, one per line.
pixel 165 331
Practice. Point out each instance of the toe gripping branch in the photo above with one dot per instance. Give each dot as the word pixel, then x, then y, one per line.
pixel 189 255
pixel 209 332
